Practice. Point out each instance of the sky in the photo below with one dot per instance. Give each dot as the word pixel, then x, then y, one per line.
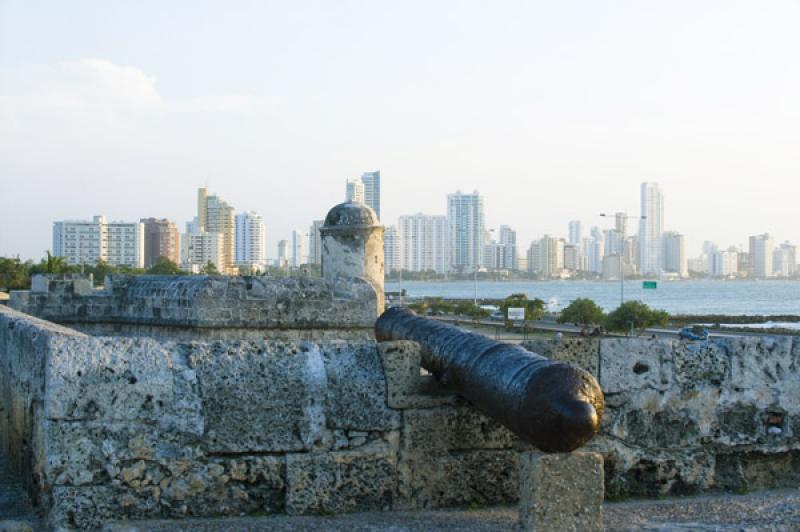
pixel 552 110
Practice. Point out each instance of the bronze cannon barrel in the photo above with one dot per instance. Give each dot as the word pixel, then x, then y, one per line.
pixel 554 406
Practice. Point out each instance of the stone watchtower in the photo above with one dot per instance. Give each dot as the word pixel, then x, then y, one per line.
pixel 352 246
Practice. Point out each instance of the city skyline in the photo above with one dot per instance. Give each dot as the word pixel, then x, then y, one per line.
pixel 559 118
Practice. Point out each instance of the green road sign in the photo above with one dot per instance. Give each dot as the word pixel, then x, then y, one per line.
pixel 649 285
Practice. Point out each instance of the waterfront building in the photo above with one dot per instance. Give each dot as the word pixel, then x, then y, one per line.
pixel 423 243
pixel 391 249
pixel 573 258
pixel 250 241
pixel 372 191
pixel 575 233
pixel 621 223
pixel 161 239
pixel 546 256
pixel 508 243
pixel 761 252
pixel 674 253
pixel 215 215
pixel 784 260
pixel 724 263
pixel 465 217
pixel 315 242
pixel 651 227
pixel 594 250
pixel 354 191
pixel 87 242
pixel 297 257
pixel 613 242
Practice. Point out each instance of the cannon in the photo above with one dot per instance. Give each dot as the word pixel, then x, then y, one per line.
pixel 554 406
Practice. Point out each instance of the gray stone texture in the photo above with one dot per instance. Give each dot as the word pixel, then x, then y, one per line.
pixel 561 492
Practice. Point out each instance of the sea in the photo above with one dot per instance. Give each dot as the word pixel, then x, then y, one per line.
pixel 676 297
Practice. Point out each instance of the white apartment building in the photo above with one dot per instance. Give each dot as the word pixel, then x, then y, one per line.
pixel 546 256
pixel 202 248
pixel 508 241
pixel 284 254
pixel 575 232
pixel 423 243
pixel 724 263
pixel 466 225
pixel 784 260
pixel 761 249
pixel 297 257
pixel 354 191
pixel 372 190
pixel 87 242
pixel 250 241
pixel 391 249
pixel 651 227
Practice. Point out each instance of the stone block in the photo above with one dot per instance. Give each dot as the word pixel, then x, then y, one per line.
pixel 260 396
pixel 355 398
pixel 450 428
pixel 561 492
pixel 761 362
pixel 364 479
pixel 630 364
pixel 462 478
pixel 582 352
pixel 406 387
pixel 698 364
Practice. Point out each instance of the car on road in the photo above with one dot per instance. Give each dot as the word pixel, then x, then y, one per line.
pixel 695 332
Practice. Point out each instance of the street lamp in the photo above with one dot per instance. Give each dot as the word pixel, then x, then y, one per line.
pixel 620 257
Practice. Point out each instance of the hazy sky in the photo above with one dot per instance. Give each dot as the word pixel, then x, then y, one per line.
pixel 554 111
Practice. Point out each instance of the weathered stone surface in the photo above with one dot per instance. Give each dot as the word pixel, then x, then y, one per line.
pixel 561 492
pixel 439 430
pixel 632 364
pixel 458 478
pixel 583 352
pixel 356 388
pixel 348 481
pixel 405 386
pixel 259 397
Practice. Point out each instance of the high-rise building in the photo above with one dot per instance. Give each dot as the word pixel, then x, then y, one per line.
pixel 315 242
pixel 284 254
pixel 724 263
pixel 594 250
pixel 575 232
pixel 572 258
pixel 354 191
pixel 161 239
pixel 391 249
pixel 674 253
pixel 87 242
pixel 784 260
pixel 761 249
pixel 201 248
pixel 214 215
pixel 465 218
pixel 621 223
pixel 372 190
pixel 612 242
pixel 250 242
pixel 651 227
pixel 508 243
pixel 297 257
pixel 546 256
pixel 423 243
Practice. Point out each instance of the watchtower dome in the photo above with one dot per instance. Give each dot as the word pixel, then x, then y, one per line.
pixel 352 245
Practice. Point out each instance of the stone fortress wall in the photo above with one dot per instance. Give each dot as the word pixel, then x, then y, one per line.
pixel 176 396
pixel 686 417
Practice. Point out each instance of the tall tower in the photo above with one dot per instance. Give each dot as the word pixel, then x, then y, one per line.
pixel 214 215
pixel 354 191
pixel 575 232
pixel 250 239
pixel 372 191
pixel 651 228
pixel 465 218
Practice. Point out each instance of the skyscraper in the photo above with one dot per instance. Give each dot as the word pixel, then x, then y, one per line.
pixel 651 228
pixel 297 257
pixel 508 242
pixel 465 218
pixel 87 242
pixel 161 239
pixel 762 247
pixel 372 190
pixel 575 232
pixel 391 249
pixel 250 240
pixel 354 191
pixel 423 243
pixel 283 254
pixel 214 215
pixel 674 253
pixel 315 242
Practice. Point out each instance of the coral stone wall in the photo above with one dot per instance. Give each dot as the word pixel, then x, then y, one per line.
pixel 684 417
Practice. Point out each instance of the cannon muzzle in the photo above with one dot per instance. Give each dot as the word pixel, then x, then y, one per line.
pixel 554 406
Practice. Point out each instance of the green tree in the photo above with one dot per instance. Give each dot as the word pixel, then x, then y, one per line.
pixel 52 264
pixel 14 274
pixel 534 308
pixel 164 266
pixel 635 315
pixel 582 311
pixel 99 271
pixel 440 306
pixel 209 269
